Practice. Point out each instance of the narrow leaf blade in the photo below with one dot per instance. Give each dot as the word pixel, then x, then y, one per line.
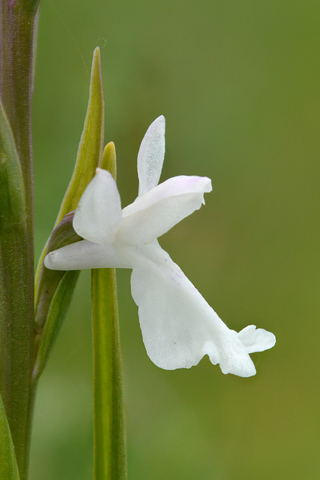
pixel 55 294
pixel 8 464
pixel 88 157
pixel 53 286
pixel 61 236
pixel 57 312
pixel 90 147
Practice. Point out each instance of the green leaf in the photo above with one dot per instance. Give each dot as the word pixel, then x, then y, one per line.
pixel 109 426
pixel 8 464
pixel 55 294
pixel 51 286
pixel 90 148
pixel 16 301
pixel 56 314
pixel 89 152
pixel 61 236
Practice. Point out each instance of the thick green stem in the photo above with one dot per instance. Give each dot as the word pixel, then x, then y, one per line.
pixel 16 352
pixel 18 25
pixel 109 428
pixel 17 46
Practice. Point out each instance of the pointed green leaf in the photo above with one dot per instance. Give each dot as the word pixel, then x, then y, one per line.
pixel 90 148
pixel 89 152
pixel 8 463
pixel 88 158
pixel 54 288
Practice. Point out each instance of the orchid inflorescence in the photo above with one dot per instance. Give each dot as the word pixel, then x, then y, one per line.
pixel 178 326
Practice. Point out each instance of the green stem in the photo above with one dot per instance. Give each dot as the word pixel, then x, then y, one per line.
pixel 18 26
pixel 109 429
pixel 17 42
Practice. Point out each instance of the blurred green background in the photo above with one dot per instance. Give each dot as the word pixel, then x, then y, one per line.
pixel 239 84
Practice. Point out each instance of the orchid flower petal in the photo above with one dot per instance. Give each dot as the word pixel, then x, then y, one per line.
pixel 84 254
pixel 151 156
pixel 256 340
pixel 178 325
pixel 156 212
pixel 98 215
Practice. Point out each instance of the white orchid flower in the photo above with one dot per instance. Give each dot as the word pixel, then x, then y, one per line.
pixel 178 326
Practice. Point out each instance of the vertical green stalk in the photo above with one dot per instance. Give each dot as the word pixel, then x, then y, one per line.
pixel 18 32
pixel 18 25
pixel 109 427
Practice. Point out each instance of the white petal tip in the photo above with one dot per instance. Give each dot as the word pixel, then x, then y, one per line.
pixel 245 370
pixel 159 122
pixel 102 172
pixel 256 339
pixel 156 128
pixel 49 261
pixel 151 155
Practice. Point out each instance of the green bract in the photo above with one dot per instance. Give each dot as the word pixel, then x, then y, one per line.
pixel 54 292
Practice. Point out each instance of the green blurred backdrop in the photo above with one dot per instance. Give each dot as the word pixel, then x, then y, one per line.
pixel 239 84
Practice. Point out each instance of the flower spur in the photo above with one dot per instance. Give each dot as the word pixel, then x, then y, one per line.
pixel 178 326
